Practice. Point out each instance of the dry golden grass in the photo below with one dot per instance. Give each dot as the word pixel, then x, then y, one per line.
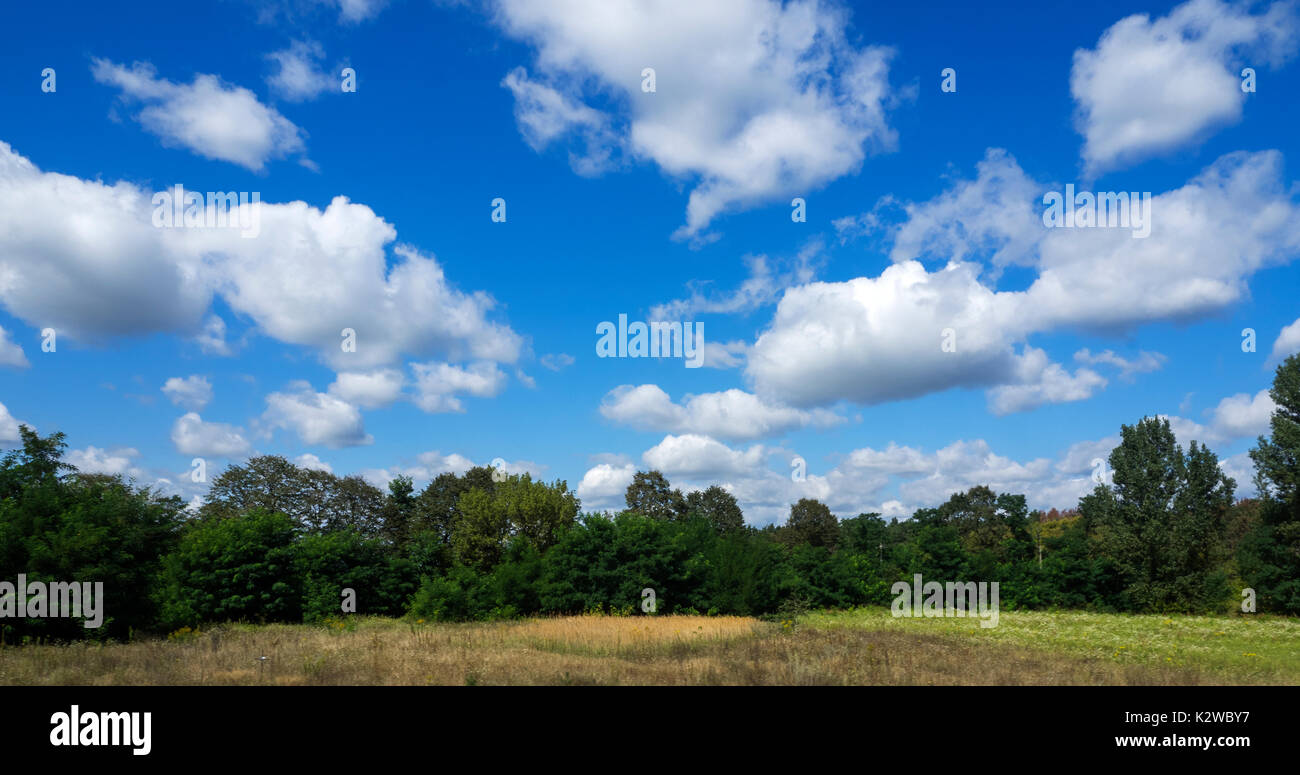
pixel 667 650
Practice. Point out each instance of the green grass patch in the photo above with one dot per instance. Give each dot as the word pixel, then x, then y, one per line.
pixel 1230 649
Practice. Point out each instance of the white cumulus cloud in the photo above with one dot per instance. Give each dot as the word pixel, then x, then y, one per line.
pixel 209 117
pixel 192 392
pixel 753 99
pixel 1152 86
pixel 317 418
pixel 193 436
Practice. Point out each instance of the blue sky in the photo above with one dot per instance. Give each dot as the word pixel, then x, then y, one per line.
pixel 476 340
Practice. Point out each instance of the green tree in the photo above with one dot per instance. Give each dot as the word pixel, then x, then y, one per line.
pixel 316 501
pixel 1162 521
pixel 435 508
pixel 745 572
pixel 518 507
pixel 864 534
pixel 606 563
pixel 1277 458
pixel 267 482
pixel 718 506
pixel 399 512
pixel 1269 554
pixel 813 523
pixel 236 569
pixel 326 564
pixel 57 525
pixel 650 495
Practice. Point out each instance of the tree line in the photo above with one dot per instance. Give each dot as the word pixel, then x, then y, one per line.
pixel 278 542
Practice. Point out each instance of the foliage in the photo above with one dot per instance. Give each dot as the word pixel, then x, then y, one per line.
pixel 276 542
pixel 1270 549
pixel 1162 523
pixel 650 495
pixel 58 525
pixel 233 569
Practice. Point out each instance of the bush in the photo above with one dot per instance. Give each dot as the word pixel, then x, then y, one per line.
pixel 234 569
pixel 56 525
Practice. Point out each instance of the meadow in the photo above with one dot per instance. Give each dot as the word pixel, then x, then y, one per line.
pixel 864 646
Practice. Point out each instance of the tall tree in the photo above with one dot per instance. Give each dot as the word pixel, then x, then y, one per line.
pixel 1270 553
pixel 864 534
pixel 650 495
pixel 718 506
pixel 317 501
pixel 518 507
pixel 1277 458
pixel 812 522
pixel 399 509
pixel 1162 521
pixel 435 508
pixel 267 482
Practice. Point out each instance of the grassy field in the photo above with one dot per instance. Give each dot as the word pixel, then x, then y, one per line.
pixel 1251 649
pixel 863 647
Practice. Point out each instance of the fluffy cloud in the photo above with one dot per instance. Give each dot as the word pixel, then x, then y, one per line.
pixel 1243 415
pixel 1038 381
pixel 1207 238
pixel 84 258
pixel 436 384
pixel 434 463
pixel 544 115
pixel 871 340
pixel 1082 456
pixel 733 415
pixel 604 485
pixel 965 464
pixel 211 118
pixel 409 308
pixel 212 339
pixel 9 426
pixel 312 463
pixel 369 390
pixel 1155 85
pixel 298 74
pixel 1242 469
pixel 93 460
pixel 193 436
pixel 317 418
pixel 1288 342
pixel 778 99
pixel 11 353
pixel 992 217
pixel 693 455
pixel 192 392
pixel 877 339
pixel 1235 417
